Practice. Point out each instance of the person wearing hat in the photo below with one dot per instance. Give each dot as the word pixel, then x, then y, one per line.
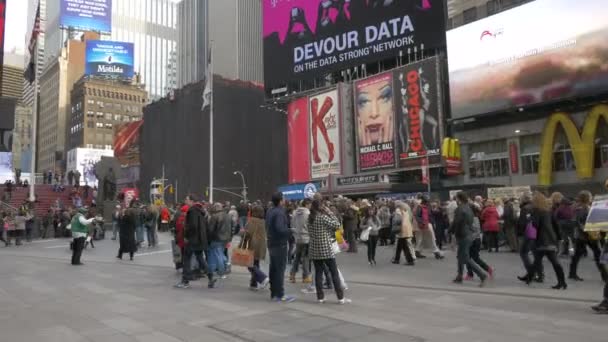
pixel 79 226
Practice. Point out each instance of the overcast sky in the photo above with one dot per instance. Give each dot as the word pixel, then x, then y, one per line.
pixel 16 20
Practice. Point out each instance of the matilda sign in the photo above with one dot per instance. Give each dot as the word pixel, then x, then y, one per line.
pixel 108 58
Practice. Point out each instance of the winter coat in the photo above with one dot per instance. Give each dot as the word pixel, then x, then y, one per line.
pixel 522 222
pixel 195 229
pixel 463 222
pixel 322 233
pixel 372 222
pixel 277 227
pixel 406 221
pixel 384 215
pixel 255 238
pixel 299 225
pixel 490 217
pixel 20 222
pixel 220 227
pixel 128 223
pixel 351 220
pixel 547 236
pixel 180 222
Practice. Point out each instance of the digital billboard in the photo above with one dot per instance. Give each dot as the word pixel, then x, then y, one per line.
pixel 541 52
pixel 325 143
pixel 126 143
pixel 84 160
pixel 418 113
pixel 89 15
pixel 306 38
pixel 375 122
pixel 108 58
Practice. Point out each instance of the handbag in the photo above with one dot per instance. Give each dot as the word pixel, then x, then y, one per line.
pixel 365 234
pixel 531 232
pixel 177 252
pixel 335 247
pixel 241 256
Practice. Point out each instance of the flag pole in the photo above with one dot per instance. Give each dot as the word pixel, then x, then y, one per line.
pixel 211 124
pixel 34 124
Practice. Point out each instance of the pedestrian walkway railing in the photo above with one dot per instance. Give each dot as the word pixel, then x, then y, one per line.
pixel 5 206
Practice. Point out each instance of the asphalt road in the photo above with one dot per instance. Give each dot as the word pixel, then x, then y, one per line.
pixel 43 298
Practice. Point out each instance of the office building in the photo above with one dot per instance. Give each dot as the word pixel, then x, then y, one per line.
pixel 12 82
pixel 150 24
pixel 56 83
pixel 234 26
pixel 462 12
pixel 98 106
pixel 22 137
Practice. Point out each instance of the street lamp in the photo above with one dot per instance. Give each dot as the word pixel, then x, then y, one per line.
pixel 244 184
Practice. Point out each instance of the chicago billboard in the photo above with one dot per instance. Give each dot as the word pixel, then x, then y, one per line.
pixel 298 140
pixel 375 120
pixel 541 52
pixel 306 38
pixel 90 15
pixel 418 112
pixel 108 58
pixel 325 143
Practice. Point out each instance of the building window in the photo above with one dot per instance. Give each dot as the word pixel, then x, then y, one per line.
pixel 470 15
pixel 91 102
pixel 126 118
pixel 90 114
pixel 563 160
pixel 108 116
pixel 99 114
pixel 89 145
pixel 530 153
pixel 100 104
pixel 90 124
pixel 491 7
pixel 488 159
pixel 109 147
pixel 117 117
pixel 108 126
pixel 99 125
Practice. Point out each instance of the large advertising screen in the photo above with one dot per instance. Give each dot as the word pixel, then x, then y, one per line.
pixel 325 140
pixel 418 113
pixel 108 58
pixel 298 140
pixel 544 51
pixel 126 143
pixel 306 38
pixel 84 160
pixel 375 122
pixel 89 15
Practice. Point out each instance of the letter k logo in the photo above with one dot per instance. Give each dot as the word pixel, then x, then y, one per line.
pixel 319 124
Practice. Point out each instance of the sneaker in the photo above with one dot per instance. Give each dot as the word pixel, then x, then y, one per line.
pixel 307 280
pixel 264 284
pixel 309 290
pixel 468 277
pixel 284 299
pixel 601 307
pixel 344 301
pixel 457 280
pixel 211 284
pixel 254 288
pixel 182 285
pixel 321 301
pixel 482 283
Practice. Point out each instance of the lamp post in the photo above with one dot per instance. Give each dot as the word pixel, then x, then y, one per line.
pixel 244 184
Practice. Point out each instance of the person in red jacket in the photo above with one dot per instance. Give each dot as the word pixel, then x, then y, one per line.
pixel 490 217
pixel 179 227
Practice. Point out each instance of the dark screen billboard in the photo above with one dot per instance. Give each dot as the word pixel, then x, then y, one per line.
pixel 109 59
pixel 307 38
pixel 542 52
pixel 89 15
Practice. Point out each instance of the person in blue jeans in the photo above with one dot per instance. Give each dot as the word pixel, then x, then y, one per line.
pixel 277 228
pixel 219 234
pixel 255 241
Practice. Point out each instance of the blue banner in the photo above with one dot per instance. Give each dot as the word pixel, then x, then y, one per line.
pixel 89 15
pixel 108 58
pixel 296 192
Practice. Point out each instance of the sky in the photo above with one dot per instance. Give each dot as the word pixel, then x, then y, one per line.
pixel 15 30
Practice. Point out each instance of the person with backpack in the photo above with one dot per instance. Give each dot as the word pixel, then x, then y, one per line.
pixel 540 228
pixel 462 228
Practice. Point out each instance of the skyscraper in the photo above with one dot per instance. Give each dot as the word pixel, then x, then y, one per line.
pixel 150 24
pixel 191 41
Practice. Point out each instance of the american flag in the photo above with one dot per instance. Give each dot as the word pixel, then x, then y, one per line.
pixel 35 31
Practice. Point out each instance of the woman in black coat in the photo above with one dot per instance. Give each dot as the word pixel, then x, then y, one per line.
pixel 547 239
pixel 127 223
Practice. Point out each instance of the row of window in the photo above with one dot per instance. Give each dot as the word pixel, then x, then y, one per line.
pixel 128 108
pixel 99 146
pixel 114 95
pixel 110 116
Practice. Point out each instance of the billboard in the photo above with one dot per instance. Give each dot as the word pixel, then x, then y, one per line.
pixel 418 113
pixel 544 51
pixel 126 143
pixel 84 160
pixel 108 58
pixel 297 192
pixel 298 140
pixel 90 15
pixel 306 38
pixel 375 121
pixel 325 143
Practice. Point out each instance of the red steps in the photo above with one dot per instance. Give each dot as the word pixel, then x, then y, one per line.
pixel 46 197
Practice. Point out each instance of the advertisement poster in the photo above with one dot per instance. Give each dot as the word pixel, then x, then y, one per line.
pixel 84 160
pixel 325 135
pixel 89 15
pixel 508 192
pixel 597 220
pixel 306 38
pixel 418 119
pixel 375 114
pixel 6 166
pixel 126 143
pixel 107 58
pixel 298 140
pixel 297 192
pixel 540 52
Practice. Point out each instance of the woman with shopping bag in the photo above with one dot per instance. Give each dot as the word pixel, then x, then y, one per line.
pixel 370 229
pixel 254 240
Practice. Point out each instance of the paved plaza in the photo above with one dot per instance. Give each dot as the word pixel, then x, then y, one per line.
pixel 43 298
